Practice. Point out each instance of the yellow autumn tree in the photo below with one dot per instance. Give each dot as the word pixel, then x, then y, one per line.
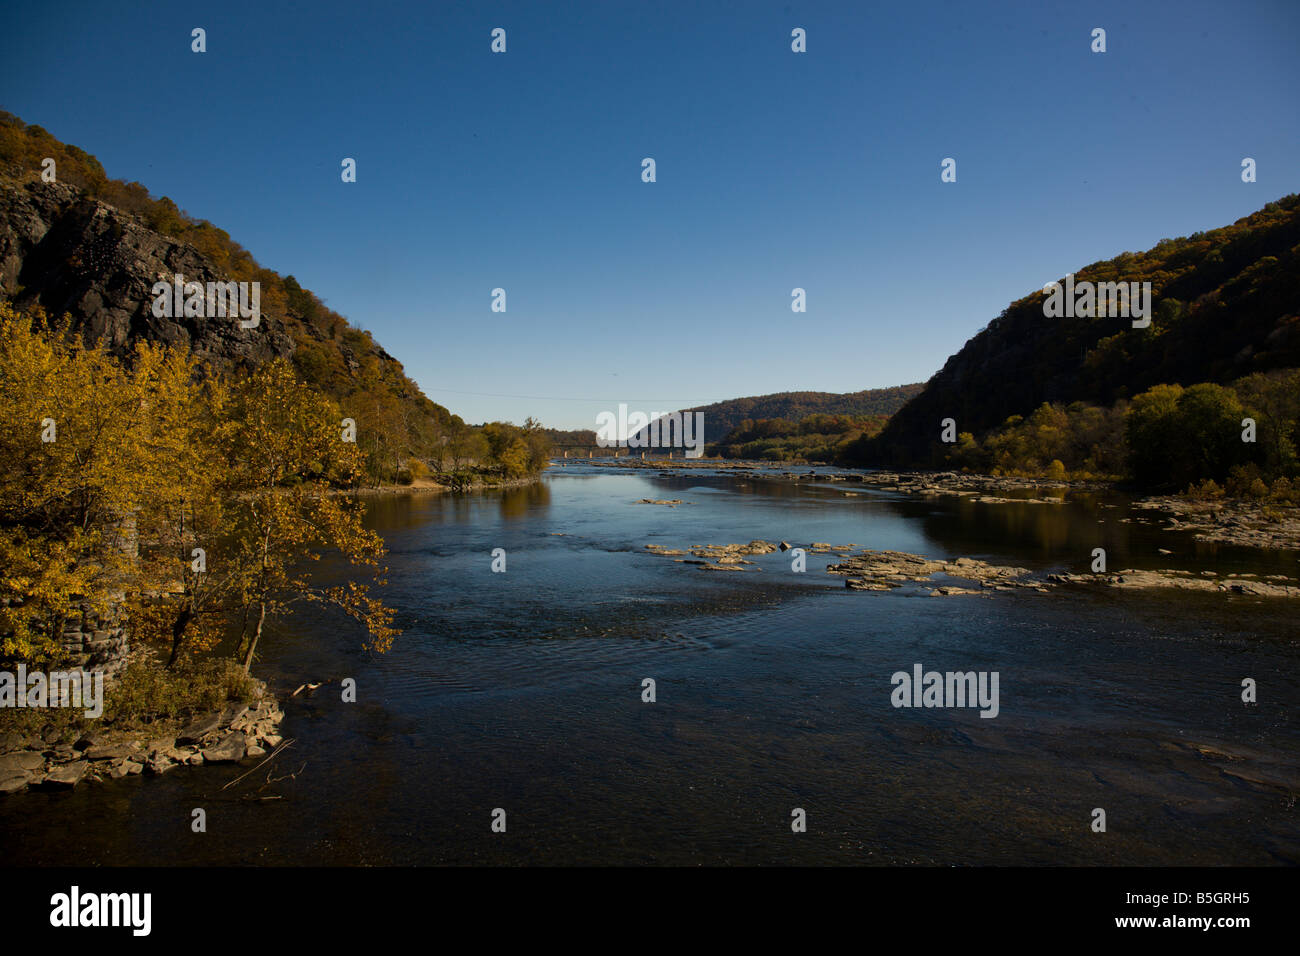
pixel 229 490
pixel 282 450
pixel 91 453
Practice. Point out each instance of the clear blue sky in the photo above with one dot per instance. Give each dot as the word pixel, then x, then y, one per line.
pixel 775 170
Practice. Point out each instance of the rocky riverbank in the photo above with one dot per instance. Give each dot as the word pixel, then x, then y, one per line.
pixel 61 759
pixel 1274 585
pixel 979 488
pixel 1230 520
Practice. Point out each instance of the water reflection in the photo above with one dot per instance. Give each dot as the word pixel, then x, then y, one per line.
pixel 404 512
pixel 527 501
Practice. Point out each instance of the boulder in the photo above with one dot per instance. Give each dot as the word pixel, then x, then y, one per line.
pixel 160 745
pixel 232 714
pixel 230 750
pixel 20 763
pixel 108 751
pixel 68 775
pixel 160 764
pixel 12 783
pixel 199 729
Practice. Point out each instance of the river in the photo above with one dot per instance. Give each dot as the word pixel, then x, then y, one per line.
pixel 523 691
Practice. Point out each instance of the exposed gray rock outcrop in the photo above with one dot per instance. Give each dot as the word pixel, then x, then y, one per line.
pixel 72 253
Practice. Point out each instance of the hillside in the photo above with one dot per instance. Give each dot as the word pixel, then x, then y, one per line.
pixel 1226 304
pixel 92 248
pixel 721 418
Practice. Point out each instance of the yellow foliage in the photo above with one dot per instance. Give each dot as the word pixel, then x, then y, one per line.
pixel 96 455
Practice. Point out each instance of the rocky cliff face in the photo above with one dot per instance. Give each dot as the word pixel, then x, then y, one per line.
pixel 72 253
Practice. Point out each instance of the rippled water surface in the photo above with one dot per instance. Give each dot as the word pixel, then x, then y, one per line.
pixel 523 691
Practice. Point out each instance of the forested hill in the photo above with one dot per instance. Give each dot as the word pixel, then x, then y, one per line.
pixel 93 247
pixel 1225 304
pixel 721 418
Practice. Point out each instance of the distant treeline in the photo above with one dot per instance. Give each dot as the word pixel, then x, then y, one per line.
pixel 723 418
pixel 815 437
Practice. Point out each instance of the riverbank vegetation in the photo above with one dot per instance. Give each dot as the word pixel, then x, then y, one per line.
pixel 191 502
pixel 194 506
pixel 1240 440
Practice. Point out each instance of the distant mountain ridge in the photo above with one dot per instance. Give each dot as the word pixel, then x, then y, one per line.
pixel 720 418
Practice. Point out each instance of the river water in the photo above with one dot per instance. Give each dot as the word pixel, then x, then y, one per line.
pixel 523 691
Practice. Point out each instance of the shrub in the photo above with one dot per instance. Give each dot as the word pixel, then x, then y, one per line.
pixel 148 691
pixel 1240 479
pixel 1206 490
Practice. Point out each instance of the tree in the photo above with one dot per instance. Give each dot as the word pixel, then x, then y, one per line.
pixel 95 455
pixel 1179 436
pixel 539 444
pixel 280 448
pixel 1153 435
pixel 1276 398
pixel 92 456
